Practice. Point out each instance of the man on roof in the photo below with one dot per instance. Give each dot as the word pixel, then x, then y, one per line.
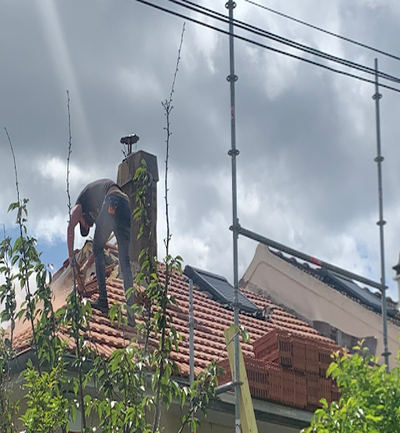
pixel 103 203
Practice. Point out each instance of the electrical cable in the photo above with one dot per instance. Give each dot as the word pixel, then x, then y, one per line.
pixel 323 30
pixel 177 14
pixel 260 32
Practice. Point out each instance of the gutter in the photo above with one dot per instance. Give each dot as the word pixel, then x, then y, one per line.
pixel 266 411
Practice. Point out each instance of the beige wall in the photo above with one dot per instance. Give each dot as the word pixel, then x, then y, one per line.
pixel 289 286
pixel 217 421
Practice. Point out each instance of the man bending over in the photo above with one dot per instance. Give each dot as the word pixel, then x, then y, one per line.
pixel 103 202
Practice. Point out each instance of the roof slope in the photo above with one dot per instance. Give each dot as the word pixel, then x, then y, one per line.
pixel 362 295
pixel 211 319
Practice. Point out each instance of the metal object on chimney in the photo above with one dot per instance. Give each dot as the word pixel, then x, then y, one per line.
pixel 129 141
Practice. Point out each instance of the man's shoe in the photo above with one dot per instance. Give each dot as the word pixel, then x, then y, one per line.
pixel 131 320
pixel 100 305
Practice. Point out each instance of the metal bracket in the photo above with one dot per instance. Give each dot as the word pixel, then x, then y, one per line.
pixel 379 159
pixel 233 152
pixel 229 3
pixel 381 223
pixel 235 226
pixel 229 78
pixel 376 96
pixel 224 388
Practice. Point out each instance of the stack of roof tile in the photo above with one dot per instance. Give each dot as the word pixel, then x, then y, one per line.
pixel 289 369
pixel 303 364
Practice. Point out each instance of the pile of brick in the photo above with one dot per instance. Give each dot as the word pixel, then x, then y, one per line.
pixel 289 369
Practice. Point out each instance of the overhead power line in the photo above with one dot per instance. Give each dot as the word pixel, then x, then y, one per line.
pixel 323 30
pixel 271 48
pixel 260 32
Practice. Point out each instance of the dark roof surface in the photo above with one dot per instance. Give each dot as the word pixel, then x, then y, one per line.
pixel 220 288
pixel 362 295
pixel 355 291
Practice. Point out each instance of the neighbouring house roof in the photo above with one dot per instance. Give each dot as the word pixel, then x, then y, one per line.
pixel 334 305
pixel 363 295
pixel 274 337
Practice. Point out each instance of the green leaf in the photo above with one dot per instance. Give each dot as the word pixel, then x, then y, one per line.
pixel 331 369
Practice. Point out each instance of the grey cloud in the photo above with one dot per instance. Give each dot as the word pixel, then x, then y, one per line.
pixel 301 155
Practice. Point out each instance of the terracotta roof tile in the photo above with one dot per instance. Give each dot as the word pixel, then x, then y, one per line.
pixel 211 319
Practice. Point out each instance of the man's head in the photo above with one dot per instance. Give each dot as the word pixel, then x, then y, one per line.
pixel 85 223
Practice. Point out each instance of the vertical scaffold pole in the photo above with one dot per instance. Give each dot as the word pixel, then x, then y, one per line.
pixel 191 347
pixel 233 152
pixel 377 96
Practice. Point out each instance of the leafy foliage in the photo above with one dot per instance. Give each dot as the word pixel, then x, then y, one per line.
pixel 130 384
pixel 134 381
pixel 47 407
pixel 8 410
pixel 121 382
pixel 124 378
pixel 7 289
pixel 370 397
pixel 200 392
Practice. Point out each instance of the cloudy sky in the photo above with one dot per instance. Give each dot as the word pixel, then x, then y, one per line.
pixel 307 138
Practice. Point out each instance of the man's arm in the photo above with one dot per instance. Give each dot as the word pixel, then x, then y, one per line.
pixel 76 216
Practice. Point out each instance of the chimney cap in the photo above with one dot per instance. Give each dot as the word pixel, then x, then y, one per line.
pixel 129 140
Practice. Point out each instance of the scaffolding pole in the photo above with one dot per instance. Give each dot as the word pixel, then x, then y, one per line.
pixel 191 348
pixel 313 260
pixel 233 152
pixel 376 97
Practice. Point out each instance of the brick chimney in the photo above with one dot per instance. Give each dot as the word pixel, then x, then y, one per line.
pixel 126 173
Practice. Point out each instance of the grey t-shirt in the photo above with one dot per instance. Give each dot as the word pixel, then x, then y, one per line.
pixel 92 196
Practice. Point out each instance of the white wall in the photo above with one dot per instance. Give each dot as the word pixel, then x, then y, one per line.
pixel 314 300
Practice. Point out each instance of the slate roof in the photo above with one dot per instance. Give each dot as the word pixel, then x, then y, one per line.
pixel 211 319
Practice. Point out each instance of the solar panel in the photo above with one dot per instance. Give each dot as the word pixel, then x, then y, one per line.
pixel 365 296
pixel 220 288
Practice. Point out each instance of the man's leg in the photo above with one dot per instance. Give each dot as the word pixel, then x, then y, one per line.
pixel 122 230
pixel 101 235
